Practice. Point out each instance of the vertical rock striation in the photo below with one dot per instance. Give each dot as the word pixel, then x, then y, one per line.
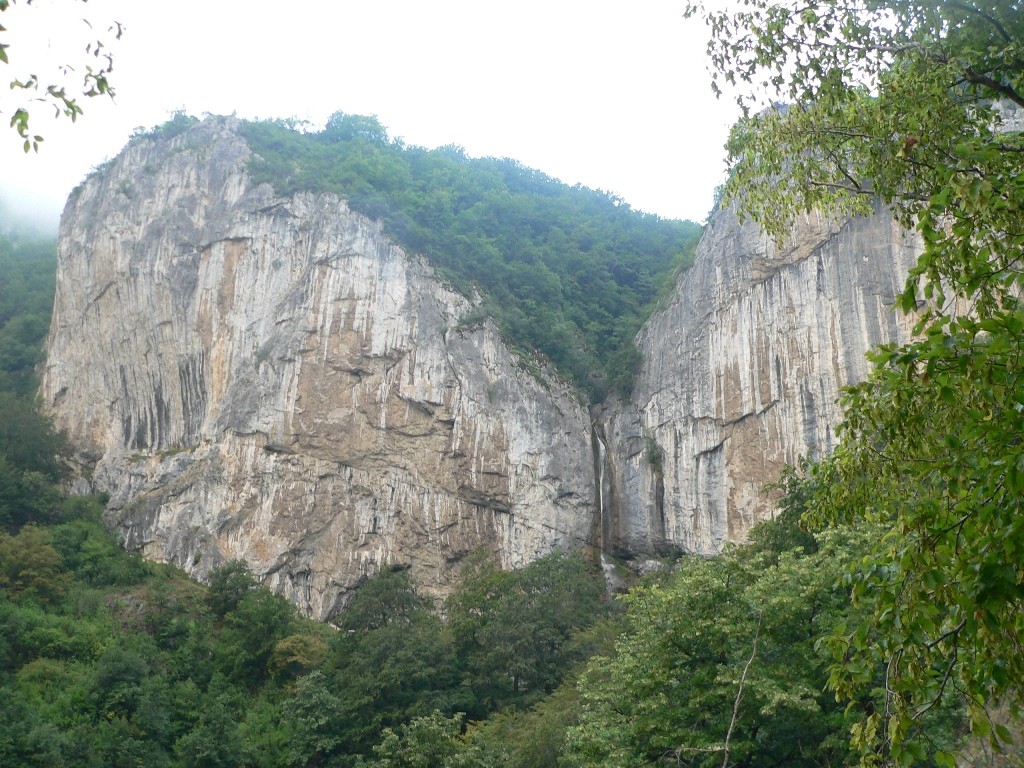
pixel 741 373
pixel 268 378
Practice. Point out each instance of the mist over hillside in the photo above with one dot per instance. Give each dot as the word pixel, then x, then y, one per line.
pixel 33 217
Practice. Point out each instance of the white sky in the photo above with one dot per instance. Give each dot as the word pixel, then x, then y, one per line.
pixel 607 93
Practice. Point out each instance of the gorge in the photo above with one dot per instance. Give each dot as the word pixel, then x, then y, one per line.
pixel 270 377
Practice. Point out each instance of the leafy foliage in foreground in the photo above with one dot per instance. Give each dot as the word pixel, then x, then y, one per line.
pixel 932 447
pixel 566 271
pixel 720 662
pixel 918 103
pixel 62 93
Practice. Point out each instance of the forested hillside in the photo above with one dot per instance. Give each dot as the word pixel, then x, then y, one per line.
pixel 30 450
pixel 106 660
pixel 905 603
pixel 566 271
pixel 28 265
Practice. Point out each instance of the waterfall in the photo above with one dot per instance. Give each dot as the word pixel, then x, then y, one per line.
pixel 603 523
pixel 601 462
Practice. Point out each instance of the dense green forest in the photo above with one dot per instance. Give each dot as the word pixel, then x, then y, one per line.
pixel 30 450
pixel 565 271
pixel 106 660
pixel 28 266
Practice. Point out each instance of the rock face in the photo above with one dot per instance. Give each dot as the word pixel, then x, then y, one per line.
pixel 268 378
pixel 273 379
pixel 741 374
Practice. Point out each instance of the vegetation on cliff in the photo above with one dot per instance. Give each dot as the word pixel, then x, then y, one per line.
pixel 566 271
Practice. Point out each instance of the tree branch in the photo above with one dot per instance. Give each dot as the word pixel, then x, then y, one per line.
pixel 739 693
pixel 1008 91
pixel 990 19
pixel 955 630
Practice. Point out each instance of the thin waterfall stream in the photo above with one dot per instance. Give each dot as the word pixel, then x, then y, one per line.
pixel 601 462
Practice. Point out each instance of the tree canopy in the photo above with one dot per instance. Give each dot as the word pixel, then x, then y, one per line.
pixel 569 272
pixel 106 659
pixel 719 663
pixel 918 103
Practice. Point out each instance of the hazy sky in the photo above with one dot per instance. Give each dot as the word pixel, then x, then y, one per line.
pixel 607 93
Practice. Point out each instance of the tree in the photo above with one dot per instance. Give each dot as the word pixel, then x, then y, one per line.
pixel 432 741
pixel 30 441
pixel 30 568
pixel 915 103
pixel 28 269
pixel 720 666
pixel 533 738
pixel 250 633
pixel 342 127
pixel 230 583
pixel 388 598
pixel 213 742
pixel 315 718
pixel 512 629
pixel 297 654
pixel 391 660
pixel 60 94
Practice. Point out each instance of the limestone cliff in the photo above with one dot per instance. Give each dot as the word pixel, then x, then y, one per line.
pixel 273 379
pixel 741 374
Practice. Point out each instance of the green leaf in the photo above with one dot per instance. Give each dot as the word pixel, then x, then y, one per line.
pixel 908 300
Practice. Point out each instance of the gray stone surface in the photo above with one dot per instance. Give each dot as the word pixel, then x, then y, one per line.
pixel 273 379
pixel 742 370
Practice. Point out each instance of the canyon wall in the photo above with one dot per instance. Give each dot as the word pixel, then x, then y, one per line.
pixel 741 372
pixel 272 379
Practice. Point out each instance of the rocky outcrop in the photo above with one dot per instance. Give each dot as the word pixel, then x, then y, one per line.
pixel 741 374
pixel 271 378
pixel 268 378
